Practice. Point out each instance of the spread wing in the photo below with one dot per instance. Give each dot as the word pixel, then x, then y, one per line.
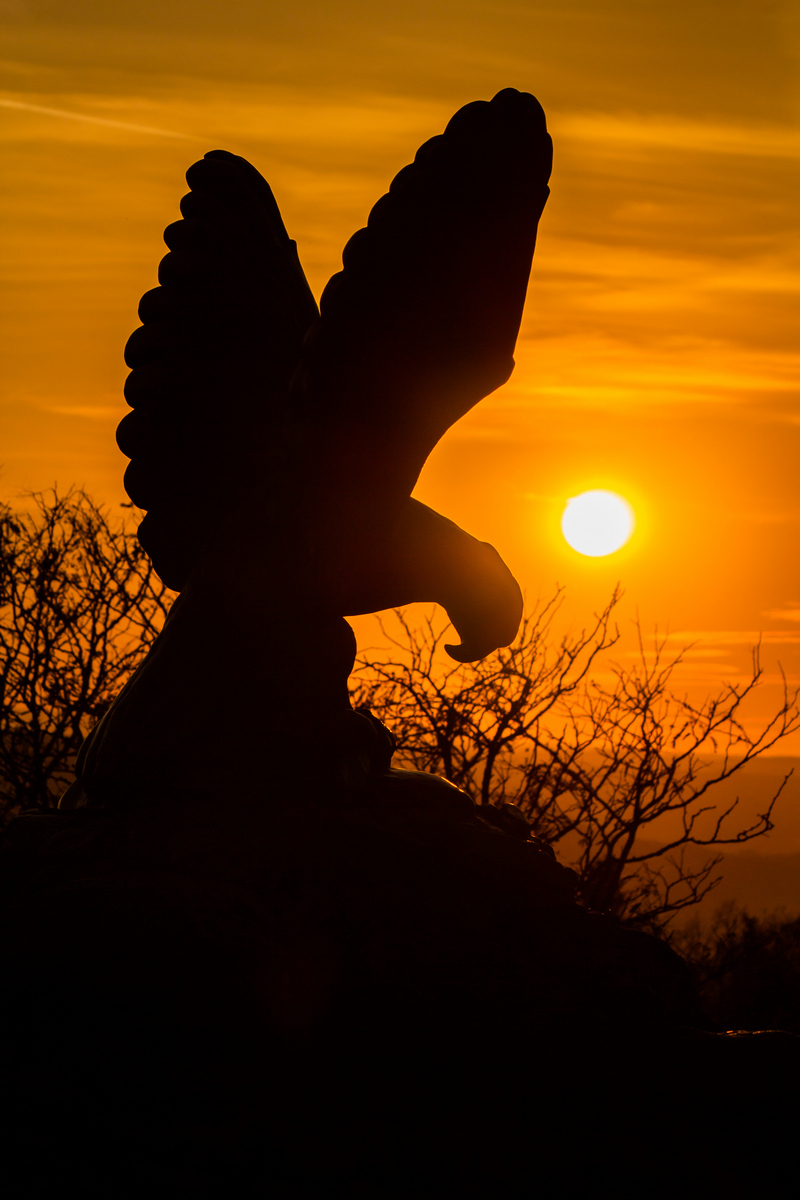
pixel 419 326
pixel 422 321
pixel 212 362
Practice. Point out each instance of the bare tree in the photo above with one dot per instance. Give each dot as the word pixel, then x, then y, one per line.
pixel 79 606
pixel 595 768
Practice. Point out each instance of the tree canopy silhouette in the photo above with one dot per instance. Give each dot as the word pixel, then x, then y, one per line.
pixel 80 604
pixel 592 765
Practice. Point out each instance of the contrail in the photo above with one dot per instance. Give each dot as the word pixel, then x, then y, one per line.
pixel 73 116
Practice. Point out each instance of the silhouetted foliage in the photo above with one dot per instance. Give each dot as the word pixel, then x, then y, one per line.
pixel 747 967
pixel 592 766
pixel 79 606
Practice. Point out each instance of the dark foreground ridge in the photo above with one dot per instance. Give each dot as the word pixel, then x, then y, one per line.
pixel 246 958
pixel 392 999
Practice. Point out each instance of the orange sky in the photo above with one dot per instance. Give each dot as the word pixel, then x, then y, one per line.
pixel 659 352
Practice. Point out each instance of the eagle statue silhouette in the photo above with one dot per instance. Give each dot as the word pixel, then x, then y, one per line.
pixel 275 445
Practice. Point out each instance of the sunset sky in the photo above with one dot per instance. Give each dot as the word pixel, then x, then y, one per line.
pixel 659 351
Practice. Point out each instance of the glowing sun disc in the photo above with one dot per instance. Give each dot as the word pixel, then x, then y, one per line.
pixel 597 523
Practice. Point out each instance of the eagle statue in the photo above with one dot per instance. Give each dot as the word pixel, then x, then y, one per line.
pixel 275 445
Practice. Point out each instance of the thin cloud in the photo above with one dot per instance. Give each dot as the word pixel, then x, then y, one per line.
pixel 737 637
pixel 63 114
pixel 94 412
pixel 676 134
pixel 783 614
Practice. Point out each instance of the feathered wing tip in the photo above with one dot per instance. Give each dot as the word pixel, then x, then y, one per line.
pixel 212 362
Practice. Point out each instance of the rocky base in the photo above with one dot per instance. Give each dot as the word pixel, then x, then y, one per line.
pixel 391 998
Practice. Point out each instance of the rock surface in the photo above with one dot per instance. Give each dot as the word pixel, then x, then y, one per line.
pixel 388 998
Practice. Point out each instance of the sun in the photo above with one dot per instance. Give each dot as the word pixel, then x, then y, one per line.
pixel 597 522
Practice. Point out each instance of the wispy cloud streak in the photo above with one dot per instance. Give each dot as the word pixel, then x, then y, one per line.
pixel 736 637
pixel 63 114
pixel 676 134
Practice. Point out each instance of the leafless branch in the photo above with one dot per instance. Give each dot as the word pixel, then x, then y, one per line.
pixel 593 766
pixel 79 606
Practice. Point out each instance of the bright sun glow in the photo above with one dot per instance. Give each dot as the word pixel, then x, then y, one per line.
pixel 597 523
